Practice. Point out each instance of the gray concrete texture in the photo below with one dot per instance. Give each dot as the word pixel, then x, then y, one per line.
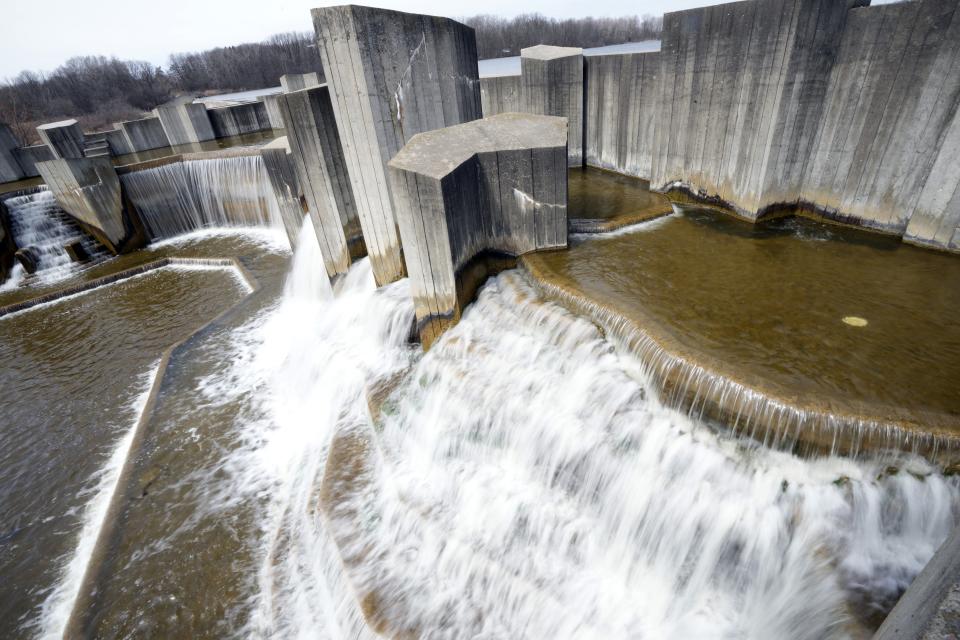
pixel 297 81
pixel 500 94
pixel 497 184
pixel 318 159
pixel 28 157
pixel 10 169
pixel 185 121
pixel 272 104
pixel 930 608
pixel 64 138
pixel 551 81
pixel 238 119
pixel 286 186
pixel 117 139
pixel 392 75
pixel 144 134
pixel 89 190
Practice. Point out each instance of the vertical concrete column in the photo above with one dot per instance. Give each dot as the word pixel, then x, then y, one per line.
pixel 64 138
pixel 500 94
pixel 297 81
pixel 494 185
pixel 392 75
pixel 286 186
pixel 321 169
pixel 10 169
pixel 272 105
pixel 551 80
pixel 184 121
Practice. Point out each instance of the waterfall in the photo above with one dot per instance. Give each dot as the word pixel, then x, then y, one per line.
pixel 523 480
pixel 38 222
pixel 184 196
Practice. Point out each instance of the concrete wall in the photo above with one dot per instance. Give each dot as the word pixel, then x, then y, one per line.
pixel 497 184
pixel 117 139
pixel 10 169
pixel 321 169
pixel 184 121
pixel 392 75
pixel 239 119
pixel 28 157
pixel 551 81
pixel 286 186
pixel 620 112
pixel 89 190
pixel 297 81
pixel 144 134
pixel 500 94
pixel 64 138
pixel 272 104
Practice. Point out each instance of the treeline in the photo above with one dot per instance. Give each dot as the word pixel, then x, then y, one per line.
pixel 99 91
pixel 499 37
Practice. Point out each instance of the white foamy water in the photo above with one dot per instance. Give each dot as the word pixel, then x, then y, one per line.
pixel 524 481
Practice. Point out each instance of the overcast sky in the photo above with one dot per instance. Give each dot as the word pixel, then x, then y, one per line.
pixel 42 34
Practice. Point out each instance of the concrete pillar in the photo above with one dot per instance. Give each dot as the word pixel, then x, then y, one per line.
pixel 238 119
pixel 184 121
pixel 89 190
pixel 493 185
pixel 144 134
pixel 392 75
pixel 297 81
pixel 318 158
pixel 10 169
pixel 28 157
pixel 64 138
pixel 272 104
pixel 500 94
pixel 286 187
pixel 551 81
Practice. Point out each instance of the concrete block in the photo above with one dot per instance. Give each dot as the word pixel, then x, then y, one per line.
pixel 286 186
pixel 552 84
pixel 184 121
pixel 144 134
pixel 930 608
pixel 297 81
pixel 89 190
pixel 238 119
pixel 117 139
pixel 28 157
pixel 392 75
pixel 10 169
pixel 64 138
pixel 318 158
pixel 500 94
pixel 272 104
pixel 497 185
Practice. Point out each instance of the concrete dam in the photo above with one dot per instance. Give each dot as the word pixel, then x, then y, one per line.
pixel 655 344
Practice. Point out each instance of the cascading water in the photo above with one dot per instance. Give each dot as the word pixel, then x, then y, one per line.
pixel 185 196
pixel 38 222
pixel 522 480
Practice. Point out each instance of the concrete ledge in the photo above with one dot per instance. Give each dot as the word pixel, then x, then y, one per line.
pixel 89 190
pixel 492 185
pixel 930 607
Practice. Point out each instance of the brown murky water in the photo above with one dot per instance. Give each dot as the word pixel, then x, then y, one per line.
pixel 73 376
pixel 610 199
pixel 821 317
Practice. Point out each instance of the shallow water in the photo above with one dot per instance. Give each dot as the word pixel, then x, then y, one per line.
pixel 778 307
pixel 595 194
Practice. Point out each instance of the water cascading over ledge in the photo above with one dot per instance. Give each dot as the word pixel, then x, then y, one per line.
pixel 189 194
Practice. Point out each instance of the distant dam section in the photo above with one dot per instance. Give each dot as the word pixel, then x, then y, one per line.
pixel 847 110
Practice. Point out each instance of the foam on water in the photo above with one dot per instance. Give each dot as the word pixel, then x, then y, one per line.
pixel 525 481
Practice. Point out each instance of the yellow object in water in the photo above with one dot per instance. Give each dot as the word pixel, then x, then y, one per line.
pixel 855 321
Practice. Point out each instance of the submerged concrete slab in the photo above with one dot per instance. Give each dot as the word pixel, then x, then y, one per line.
pixel 286 187
pixel 185 121
pixel 551 81
pixel 89 190
pixel 497 185
pixel 321 169
pixel 64 138
pixel 297 81
pixel 10 169
pixel 392 75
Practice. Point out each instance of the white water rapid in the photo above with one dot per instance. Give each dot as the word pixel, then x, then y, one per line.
pixel 522 480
